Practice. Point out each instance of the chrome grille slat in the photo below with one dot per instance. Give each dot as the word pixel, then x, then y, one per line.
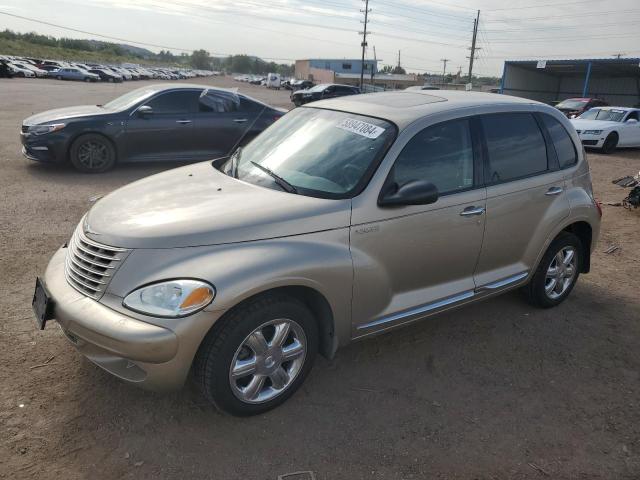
pixel 95 254
pixel 90 265
pixel 88 269
pixel 86 277
pixel 82 256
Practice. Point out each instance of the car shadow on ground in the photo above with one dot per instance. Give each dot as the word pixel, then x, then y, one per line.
pixel 439 382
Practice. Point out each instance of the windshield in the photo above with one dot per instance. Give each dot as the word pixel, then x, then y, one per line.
pixel 130 99
pixel 572 104
pixel 319 153
pixel 606 115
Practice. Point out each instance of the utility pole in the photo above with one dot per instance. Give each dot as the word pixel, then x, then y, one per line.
pixel 444 69
pixel 399 59
pixel 473 46
pixel 619 55
pixel 364 40
pixel 375 63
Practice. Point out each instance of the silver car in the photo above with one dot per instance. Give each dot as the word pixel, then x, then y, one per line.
pixel 344 219
pixel 73 73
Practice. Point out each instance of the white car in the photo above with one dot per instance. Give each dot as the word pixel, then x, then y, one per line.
pixel 607 128
pixel 20 71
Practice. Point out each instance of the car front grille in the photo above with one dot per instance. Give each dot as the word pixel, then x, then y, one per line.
pixel 89 265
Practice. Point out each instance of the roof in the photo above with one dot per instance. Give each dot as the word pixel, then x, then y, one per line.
pixel 404 107
pixel 381 76
pixel 335 60
pixel 620 67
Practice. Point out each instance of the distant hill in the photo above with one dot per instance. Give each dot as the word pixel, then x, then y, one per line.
pixel 135 51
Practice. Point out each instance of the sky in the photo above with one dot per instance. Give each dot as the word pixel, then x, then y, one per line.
pixel 424 31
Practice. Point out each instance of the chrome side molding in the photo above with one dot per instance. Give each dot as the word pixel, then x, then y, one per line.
pixel 418 310
pixel 503 283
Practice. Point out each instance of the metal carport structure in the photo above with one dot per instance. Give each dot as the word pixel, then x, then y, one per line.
pixel 615 80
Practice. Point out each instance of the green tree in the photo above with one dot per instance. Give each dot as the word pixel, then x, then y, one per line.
pixel 200 59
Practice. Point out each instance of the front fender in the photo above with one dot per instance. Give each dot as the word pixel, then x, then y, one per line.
pixel 321 261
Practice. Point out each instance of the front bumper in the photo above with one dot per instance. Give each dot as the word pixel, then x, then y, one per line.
pixel 48 148
pixel 140 352
pixel 592 141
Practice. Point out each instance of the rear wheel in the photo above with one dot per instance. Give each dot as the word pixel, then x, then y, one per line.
pixel 610 143
pixel 258 356
pixel 92 153
pixel 557 272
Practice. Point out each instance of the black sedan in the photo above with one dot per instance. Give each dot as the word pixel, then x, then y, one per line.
pixel 321 92
pixel 176 123
pixel 107 75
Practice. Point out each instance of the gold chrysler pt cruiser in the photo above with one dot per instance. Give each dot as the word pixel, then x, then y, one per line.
pixel 344 219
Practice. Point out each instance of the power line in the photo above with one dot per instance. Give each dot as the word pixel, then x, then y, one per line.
pixel 547 5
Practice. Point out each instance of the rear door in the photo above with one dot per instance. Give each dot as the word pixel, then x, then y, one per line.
pixel 525 195
pixel 167 133
pixel 222 120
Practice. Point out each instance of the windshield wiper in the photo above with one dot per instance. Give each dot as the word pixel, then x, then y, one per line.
pixel 282 183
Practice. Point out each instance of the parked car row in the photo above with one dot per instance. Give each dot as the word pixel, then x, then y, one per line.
pixel 27 67
pixel 271 80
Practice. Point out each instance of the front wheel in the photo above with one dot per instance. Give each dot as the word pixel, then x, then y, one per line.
pixel 92 153
pixel 557 272
pixel 87 79
pixel 610 143
pixel 257 357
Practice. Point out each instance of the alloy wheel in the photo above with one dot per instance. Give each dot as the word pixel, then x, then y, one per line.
pixel 93 155
pixel 268 361
pixel 561 273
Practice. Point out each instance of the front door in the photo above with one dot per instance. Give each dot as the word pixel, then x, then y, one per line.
pixel 525 193
pixel 166 133
pixel 415 260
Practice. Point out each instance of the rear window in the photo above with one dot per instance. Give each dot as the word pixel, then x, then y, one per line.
pixel 565 149
pixel 515 145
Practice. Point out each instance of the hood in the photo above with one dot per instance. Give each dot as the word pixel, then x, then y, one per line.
pixel 64 113
pixel 198 205
pixel 592 124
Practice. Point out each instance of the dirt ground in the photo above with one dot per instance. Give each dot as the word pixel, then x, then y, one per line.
pixel 497 390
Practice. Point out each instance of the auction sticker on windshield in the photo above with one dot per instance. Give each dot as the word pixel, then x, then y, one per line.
pixel 360 128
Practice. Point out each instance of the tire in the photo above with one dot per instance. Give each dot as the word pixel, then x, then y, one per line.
pixel 87 79
pixel 610 143
pixel 537 291
pixel 92 153
pixel 58 77
pixel 110 80
pixel 227 344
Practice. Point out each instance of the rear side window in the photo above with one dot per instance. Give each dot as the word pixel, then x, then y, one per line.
pixel 565 149
pixel 515 145
pixel 216 102
pixel 441 154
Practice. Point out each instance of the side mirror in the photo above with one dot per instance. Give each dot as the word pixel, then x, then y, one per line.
pixel 632 120
pixel 145 111
pixel 416 192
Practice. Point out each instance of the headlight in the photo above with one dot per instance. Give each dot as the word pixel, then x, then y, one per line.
pixel 173 298
pixel 42 129
pixel 592 132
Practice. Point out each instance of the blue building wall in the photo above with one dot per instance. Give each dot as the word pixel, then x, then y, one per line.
pixel 344 66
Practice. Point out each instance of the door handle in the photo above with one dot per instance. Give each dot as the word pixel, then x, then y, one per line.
pixel 471 211
pixel 554 191
pixel 240 120
pixel 183 122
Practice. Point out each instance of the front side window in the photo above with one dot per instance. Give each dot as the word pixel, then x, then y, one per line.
pixel 565 150
pixel 441 154
pixel 515 145
pixel 321 153
pixel 178 102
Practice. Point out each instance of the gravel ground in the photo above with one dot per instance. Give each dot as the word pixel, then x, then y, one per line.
pixel 497 390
